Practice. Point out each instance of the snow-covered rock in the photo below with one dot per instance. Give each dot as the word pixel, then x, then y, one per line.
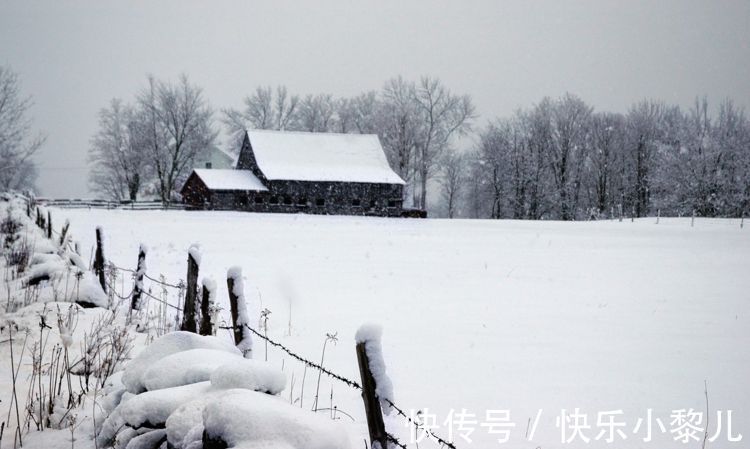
pixel 166 345
pixel 186 367
pixel 251 375
pixel 149 409
pixel 245 419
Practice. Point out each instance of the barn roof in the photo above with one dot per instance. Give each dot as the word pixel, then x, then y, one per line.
pixel 229 179
pixel 303 156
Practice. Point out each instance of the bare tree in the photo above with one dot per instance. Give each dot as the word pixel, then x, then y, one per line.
pixel 567 151
pixel 608 142
pixel 118 156
pixel 443 116
pixel 399 128
pixel 316 113
pixel 453 176
pixel 264 109
pixel 178 124
pixel 17 144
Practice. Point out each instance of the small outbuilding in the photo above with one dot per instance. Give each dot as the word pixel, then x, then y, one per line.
pixel 319 173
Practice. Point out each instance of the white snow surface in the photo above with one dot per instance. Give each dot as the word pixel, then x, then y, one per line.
pixel 481 314
pixel 229 179
pixel 247 419
pixel 134 376
pixel 186 367
pixel 370 335
pixel 249 374
pixel 304 156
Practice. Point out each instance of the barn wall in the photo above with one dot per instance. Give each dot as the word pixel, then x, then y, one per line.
pixel 195 193
pixel 299 196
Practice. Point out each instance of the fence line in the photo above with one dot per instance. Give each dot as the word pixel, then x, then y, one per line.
pixel 350 383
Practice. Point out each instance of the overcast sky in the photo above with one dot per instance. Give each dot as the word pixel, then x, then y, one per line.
pixel 73 57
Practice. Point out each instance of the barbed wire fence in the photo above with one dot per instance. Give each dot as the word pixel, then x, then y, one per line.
pixel 180 288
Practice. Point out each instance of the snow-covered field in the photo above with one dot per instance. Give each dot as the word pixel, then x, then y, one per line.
pixel 528 317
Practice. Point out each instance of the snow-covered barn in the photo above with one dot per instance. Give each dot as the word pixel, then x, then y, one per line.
pixel 321 173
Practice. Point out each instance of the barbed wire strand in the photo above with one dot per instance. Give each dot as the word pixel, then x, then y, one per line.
pixel 350 383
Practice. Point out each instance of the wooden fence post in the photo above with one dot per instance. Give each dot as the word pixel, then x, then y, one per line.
pixel 209 289
pixel 49 225
pixel 191 293
pixel 135 303
pixel 372 405
pixel 692 219
pixel 99 259
pixel 233 307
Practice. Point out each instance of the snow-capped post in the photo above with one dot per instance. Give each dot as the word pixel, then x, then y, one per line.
pixel 191 293
pixel 207 306
pixel 238 308
pixel 49 225
pixel 377 388
pixel 140 271
pixel 99 258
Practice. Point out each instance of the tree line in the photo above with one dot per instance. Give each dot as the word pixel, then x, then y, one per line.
pixel 561 160
pixel 557 159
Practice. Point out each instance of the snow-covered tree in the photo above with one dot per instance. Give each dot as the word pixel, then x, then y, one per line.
pixel 266 108
pixel 452 179
pixel 443 116
pixel 178 125
pixel 118 155
pixel 17 142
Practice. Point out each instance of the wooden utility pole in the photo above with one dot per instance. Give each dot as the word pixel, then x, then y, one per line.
pixel 372 404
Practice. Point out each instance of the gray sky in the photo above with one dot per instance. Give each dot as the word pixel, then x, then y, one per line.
pixel 74 56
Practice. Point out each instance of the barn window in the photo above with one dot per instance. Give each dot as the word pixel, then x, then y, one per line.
pixel 302 201
pixel 356 202
pixel 373 203
pixel 258 199
pixel 320 202
pixel 274 200
pixel 391 203
pixel 287 200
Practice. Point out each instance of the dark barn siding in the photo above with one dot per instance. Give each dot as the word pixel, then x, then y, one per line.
pixel 336 198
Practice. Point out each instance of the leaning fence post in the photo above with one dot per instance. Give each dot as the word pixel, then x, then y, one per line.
pixel 99 258
pixel 367 335
pixel 207 306
pixel 191 293
pixel 238 308
pixel 140 271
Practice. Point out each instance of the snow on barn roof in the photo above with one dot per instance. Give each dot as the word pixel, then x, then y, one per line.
pixel 304 156
pixel 229 179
